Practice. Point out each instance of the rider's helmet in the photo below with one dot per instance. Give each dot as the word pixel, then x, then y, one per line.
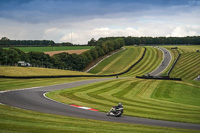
pixel 119 104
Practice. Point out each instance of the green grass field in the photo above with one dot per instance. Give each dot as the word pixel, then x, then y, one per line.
pixel 14 120
pixel 118 62
pixel 188 65
pixel 34 71
pixel 150 62
pixel 121 61
pixel 47 49
pixel 185 48
pixel 156 99
pixel 12 84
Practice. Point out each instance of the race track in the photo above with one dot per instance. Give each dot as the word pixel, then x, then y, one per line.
pixel 164 64
pixel 34 99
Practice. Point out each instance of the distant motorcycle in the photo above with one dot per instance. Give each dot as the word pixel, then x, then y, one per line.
pixel 115 112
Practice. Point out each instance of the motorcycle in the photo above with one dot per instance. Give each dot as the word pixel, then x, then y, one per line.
pixel 115 112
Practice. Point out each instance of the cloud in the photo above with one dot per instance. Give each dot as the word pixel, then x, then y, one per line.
pixel 181 31
pixel 55 20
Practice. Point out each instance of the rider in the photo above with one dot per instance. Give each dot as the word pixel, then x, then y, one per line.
pixel 117 107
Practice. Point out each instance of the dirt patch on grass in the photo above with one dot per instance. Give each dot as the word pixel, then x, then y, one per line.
pixel 51 53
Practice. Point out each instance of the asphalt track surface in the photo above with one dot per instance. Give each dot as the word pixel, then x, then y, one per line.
pixel 34 99
pixel 164 64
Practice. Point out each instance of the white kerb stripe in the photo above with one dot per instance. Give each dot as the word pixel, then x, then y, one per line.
pixel 84 108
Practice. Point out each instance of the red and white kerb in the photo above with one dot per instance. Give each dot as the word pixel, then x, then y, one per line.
pixel 81 107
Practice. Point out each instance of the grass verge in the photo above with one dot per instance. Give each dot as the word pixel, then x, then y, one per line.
pixel 14 120
pixel 12 84
pixel 34 71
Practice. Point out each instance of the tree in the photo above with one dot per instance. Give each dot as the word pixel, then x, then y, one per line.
pixel 110 45
pixel 99 42
pixel 4 39
pixel 89 57
pixel 92 42
pixel 121 42
pixel 3 56
pixel 99 51
pixel 39 58
pixel 22 55
pixel 94 53
pixel 12 56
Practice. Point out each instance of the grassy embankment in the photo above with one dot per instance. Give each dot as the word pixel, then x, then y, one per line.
pixel 149 63
pixel 124 59
pixel 46 49
pixel 188 65
pixel 34 71
pixel 156 99
pixel 118 62
pixel 9 84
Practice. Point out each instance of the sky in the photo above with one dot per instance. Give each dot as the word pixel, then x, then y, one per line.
pixel 78 21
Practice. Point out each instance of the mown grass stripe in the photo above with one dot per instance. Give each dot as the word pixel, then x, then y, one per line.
pixel 147 65
pixel 138 97
pixel 186 67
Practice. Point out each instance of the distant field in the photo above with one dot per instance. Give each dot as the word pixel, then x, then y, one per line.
pixel 156 99
pixel 59 48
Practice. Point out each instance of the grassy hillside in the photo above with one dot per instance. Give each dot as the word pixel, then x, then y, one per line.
pixel 157 99
pixel 149 63
pixel 118 62
pixel 123 60
pixel 12 84
pixel 46 49
pixel 188 65
pixel 34 71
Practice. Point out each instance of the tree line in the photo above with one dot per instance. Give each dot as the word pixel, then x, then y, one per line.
pixel 6 42
pixel 189 40
pixel 66 61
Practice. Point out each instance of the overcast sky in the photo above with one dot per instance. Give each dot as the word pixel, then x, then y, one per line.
pixel 59 20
